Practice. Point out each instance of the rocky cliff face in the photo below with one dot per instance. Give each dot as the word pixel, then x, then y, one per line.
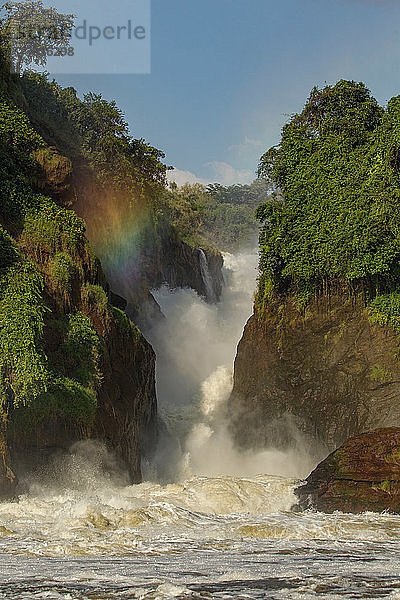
pixel 327 373
pixel 362 475
pixel 74 283
pixel 72 365
pixel 126 397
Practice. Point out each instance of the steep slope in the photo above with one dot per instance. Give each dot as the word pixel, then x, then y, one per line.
pixel 320 355
pixel 72 366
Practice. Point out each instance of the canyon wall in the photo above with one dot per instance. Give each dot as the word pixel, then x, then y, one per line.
pixel 327 373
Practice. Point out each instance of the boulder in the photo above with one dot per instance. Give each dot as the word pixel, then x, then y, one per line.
pixel 362 475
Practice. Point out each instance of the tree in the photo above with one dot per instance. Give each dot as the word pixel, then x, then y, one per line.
pixel 29 29
pixel 336 218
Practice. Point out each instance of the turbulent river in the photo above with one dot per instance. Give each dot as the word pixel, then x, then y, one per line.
pixel 209 522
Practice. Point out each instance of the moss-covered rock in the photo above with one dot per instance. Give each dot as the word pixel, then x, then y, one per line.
pixel 54 175
pixel 362 475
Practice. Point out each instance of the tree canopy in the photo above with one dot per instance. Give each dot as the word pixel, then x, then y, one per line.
pixel 336 215
pixel 218 215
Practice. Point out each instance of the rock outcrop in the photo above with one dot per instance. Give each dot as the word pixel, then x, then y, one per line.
pixel 54 173
pixel 362 475
pixel 125 418
pixel 327 373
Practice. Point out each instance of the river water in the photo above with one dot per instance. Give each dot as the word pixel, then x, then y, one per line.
pixel 209 522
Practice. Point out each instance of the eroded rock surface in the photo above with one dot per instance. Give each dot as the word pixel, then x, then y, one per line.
pixel 327 374
pixel 362 475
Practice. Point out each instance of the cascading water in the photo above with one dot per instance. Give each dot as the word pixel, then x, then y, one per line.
pixel 206 276
pixel 196 347
pixel 223 528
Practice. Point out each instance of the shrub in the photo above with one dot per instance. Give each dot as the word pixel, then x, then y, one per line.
pixel 63 270
pixel 23 364
pixel 94 297
pixel 80 350
pixel 63 399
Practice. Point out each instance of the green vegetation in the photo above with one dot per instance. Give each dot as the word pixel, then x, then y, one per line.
pixel 49 361
pixel 334 220
pixel 379 375
pixel 80 351
pixel 96 129
pixel 94 297
pixel 63 399
pixel 47 27
pixel 216 215
pixel 16 131
pixel 63 271
pixel 49 229
pixel 384 486
pixel 23 365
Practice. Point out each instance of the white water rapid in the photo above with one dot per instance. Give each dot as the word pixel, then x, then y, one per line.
pixel 209 522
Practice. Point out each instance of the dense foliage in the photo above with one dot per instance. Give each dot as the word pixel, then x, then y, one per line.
pixel 41 246
pixel 29 28
pixel 335 218
pixel 97 129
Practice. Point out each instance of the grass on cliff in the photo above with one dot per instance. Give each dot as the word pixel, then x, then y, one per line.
pixel 335 219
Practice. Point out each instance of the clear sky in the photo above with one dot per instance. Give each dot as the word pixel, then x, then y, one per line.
pixel 226 73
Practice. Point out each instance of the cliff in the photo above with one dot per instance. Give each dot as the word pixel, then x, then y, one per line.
pixel 96 371
pixel 326 372
pixel 362 475
pixel 72 364
pixel 320 355
pixel 90 164
pixel 140 250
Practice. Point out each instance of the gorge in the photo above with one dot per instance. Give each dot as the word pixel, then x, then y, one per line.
pixel 126 436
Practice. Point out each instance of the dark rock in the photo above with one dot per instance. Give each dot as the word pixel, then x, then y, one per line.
pixel 117 300
pixel 8 480
pixel 327 373
pixel 362 475
pixel 127 404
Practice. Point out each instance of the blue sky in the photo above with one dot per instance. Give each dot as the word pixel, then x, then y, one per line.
pixel 226 73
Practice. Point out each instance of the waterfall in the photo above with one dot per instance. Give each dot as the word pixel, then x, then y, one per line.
pixel 206 276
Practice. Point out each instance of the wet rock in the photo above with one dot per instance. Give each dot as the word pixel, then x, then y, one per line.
pixel 8 480
pixel 362 475
pixel 325 372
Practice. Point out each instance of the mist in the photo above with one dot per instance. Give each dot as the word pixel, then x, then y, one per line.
pixel 196 346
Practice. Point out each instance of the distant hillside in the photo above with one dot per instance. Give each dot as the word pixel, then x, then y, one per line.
pixel 216 215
